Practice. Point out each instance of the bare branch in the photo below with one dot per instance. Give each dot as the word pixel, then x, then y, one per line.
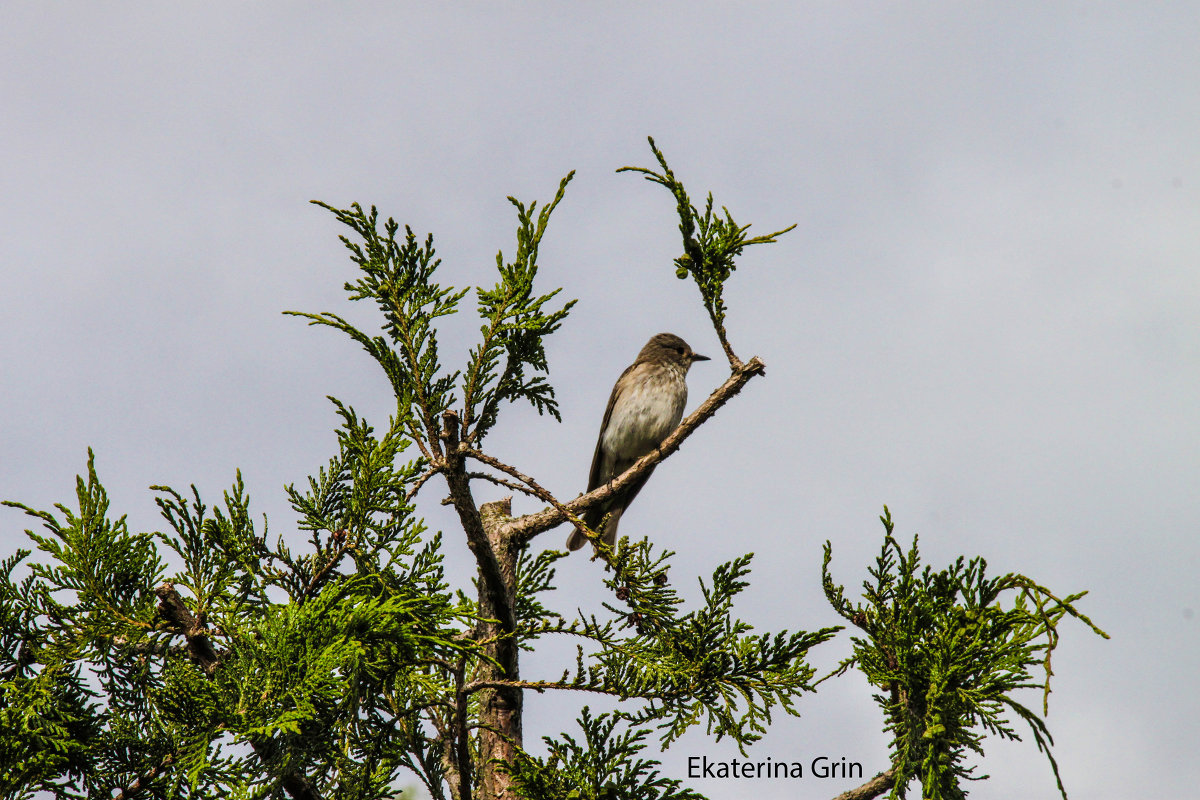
pixel 881 783
pixel 466 769
pixel 534 489
pixel 526 527
pixel 537 686
pixel 159 647
pixel 516 487
pixel 496 557
pixel 444 741
pixel 421 481
pixel 139 784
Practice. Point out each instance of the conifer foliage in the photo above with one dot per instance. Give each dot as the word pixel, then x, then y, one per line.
pixel 335 661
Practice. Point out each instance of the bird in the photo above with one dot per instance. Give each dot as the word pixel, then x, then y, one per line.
pixel 646 404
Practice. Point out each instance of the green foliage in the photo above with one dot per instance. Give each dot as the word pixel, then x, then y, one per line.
pixel 515 328
pixel 327 680
pixel 535 575
pixel 362 497
pixel 603 766
pixel 219 553
pixel 711 241
pixel 703 666
pixel 335 683
pixel 207 661
pixel 62 626
pixel 67 614
pixel 98 562
pixel 398 276
pixel 949 653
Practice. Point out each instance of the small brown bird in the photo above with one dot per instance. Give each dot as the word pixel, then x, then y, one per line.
pixel 645 406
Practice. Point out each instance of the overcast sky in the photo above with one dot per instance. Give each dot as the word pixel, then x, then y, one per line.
pixel 987 317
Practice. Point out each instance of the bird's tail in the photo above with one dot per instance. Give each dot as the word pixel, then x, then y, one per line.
pixel 576 540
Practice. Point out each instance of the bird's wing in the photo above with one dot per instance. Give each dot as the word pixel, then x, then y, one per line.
pixel 597 476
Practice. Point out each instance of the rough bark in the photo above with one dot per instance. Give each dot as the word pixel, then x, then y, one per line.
pixel 502 705
pixel 183 621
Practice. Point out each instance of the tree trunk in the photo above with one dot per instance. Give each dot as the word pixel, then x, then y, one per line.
pixel 501 707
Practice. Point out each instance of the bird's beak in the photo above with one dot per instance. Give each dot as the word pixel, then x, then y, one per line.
pixel 698 357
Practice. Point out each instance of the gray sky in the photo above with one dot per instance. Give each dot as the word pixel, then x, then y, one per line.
pixel 986 318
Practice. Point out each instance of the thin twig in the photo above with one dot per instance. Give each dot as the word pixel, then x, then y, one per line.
pixel 536 489
pixel 342 536
pixel 537 686
pixel 516 487
pixel 421 481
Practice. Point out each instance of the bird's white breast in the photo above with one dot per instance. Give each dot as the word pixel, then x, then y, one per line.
pixel 645 414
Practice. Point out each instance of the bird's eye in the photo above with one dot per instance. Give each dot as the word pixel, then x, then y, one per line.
pixel 679 350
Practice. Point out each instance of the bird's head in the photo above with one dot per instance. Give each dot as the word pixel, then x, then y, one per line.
pixel 669 348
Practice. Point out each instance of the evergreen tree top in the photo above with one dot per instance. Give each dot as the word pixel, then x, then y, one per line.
pixel 210 660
